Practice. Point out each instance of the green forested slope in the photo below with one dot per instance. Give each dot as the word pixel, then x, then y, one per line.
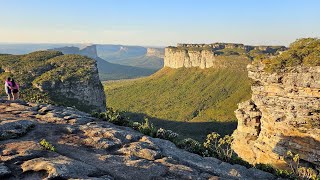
pixel 148 62
pixel 190 101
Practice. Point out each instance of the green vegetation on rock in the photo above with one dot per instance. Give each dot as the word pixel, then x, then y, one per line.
pixel 304 52
pixel 42 74
pixel 46 145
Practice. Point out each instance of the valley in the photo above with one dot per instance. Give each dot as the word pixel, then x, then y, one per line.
pixel 114 61
pixel 195 93
pixel 160 90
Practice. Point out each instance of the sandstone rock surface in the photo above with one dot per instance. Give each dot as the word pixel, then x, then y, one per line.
pixel 186 58
pixel 205 55
pixel 87 148
pixel 283 114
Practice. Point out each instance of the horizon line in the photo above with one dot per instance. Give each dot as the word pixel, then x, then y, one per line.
pixel 141 45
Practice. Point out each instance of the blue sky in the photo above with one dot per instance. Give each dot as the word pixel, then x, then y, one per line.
pixel 158 22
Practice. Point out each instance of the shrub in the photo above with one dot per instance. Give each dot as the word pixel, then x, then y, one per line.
pixel 112 116
pixel 284 174
pixel 166 134
pixel 219 147
pixel 298 170
pixel 147 128
pixel 191 145
pixel 44 143
pixel 134 125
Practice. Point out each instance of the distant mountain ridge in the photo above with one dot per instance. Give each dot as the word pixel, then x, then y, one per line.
pixel 138 56
pixel 107 70
pixel 123 61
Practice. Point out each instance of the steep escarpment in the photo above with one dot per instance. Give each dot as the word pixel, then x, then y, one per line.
pixel 207 55
pixel 284 111
pixel 39 141
pixel 50 76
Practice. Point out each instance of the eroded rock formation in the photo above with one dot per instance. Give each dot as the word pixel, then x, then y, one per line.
pixel 205 55
pixel 87 148
pixel 50 76
pixel 84 93
pixel 176 58
pixel 283 114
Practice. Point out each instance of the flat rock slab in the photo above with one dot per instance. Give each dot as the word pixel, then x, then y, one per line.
pixel 4 170
pixel 14 128
pixel 88 148
pixel 61 166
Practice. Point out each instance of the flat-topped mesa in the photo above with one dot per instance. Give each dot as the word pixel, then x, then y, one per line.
pixel 177 58
pixel 284 111
pixel 205 55
pixel 219 46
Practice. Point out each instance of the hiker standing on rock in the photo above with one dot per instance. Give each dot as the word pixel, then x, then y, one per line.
pixel 7 86
pixel 14 89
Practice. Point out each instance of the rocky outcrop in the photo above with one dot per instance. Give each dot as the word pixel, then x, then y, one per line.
pixel 85 93
pixel 205 55
pixel 219 46
pixel 88 148
pixel 157 52
pixel 50 76
pixel 187 58
pixel 283 114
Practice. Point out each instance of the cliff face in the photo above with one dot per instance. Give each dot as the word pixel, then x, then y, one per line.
pixel 84 92
pixel 50 76
pixel 184 58
pixel 205 55
pixel 88 148
pixel 283 114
